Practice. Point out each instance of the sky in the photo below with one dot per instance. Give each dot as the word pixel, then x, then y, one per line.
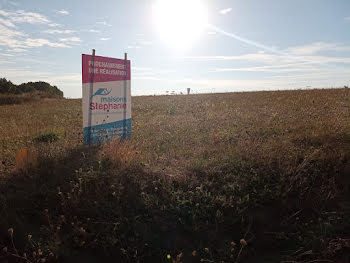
pixel 244 45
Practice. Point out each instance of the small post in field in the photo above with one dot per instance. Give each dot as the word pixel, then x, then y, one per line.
pixel 188 91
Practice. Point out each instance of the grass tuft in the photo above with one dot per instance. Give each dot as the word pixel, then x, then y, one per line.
pixel 47 137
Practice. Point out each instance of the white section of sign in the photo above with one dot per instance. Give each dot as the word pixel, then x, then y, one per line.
pixel 107 103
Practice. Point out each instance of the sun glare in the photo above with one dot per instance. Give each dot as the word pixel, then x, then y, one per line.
pixel 180 22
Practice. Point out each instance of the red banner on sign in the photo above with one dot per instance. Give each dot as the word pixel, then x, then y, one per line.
pixel 104 69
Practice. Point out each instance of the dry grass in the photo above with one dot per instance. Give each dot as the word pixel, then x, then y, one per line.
pixel 119 154
pixel 279 127
pixel 21 124
pixel 200 173
pixel 8 99
pixel 271 128
pixel 26 159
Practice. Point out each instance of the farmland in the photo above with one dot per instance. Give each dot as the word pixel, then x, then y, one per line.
pixel 205 178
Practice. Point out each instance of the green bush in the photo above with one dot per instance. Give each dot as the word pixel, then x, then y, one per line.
pixel 47 137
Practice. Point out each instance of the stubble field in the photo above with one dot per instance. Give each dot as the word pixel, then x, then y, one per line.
pixel 205 178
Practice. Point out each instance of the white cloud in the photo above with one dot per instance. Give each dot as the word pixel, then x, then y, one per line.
pixel 252 57
pixel 10 37
pixel 54 25
pixel 71 39
pixel 7 23
pixel 145 43
pixel 18 40
pixel 329 69
pixel 147 73
pixel 139 43
pixel 299 54
pixel 63 12
pixel 225 11
pixel 6 55
pixel 6 62
pixel 18 50
pixel 314 48
pixel 105 38
pixel 92 31
pixel 103 23
pixel 296 53
pixel 28 17
pixel 143 73
pixel 4 13
pixel 141 69
pixel 275 68
pixel 57 31
pixel 133 47
pixel 39 42
pixel 65 78
pixel 146 78
pixel 34 75
pixel 21 16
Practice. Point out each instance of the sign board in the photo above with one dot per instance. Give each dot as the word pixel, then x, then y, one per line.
pixel 106 98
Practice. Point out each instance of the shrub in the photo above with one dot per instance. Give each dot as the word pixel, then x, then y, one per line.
pixel 44 88
pixel 47 137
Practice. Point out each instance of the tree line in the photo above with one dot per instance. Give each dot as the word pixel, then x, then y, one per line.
pixel 39 87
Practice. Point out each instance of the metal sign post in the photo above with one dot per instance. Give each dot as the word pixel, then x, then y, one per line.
pixel 125 101
pixel 91 92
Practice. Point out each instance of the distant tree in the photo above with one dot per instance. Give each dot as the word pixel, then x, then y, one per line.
pixel 26 87
pixel 41 87
pixel 6 86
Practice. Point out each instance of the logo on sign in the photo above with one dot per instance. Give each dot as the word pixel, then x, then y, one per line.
pixel 102 92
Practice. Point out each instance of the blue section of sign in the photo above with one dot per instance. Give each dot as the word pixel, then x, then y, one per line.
pixel 106 132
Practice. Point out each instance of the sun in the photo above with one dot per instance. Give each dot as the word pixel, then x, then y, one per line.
pixel 179 23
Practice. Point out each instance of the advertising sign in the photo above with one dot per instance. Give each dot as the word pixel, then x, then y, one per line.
pixel 106 98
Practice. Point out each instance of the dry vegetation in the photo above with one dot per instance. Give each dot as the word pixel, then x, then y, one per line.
pixel 201 173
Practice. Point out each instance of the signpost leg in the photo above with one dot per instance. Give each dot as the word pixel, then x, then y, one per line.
pixel 91 92
pixel 125 95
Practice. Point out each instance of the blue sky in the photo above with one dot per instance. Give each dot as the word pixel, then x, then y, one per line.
pixel 248 45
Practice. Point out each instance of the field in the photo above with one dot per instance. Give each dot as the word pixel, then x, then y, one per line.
pixel 237 177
